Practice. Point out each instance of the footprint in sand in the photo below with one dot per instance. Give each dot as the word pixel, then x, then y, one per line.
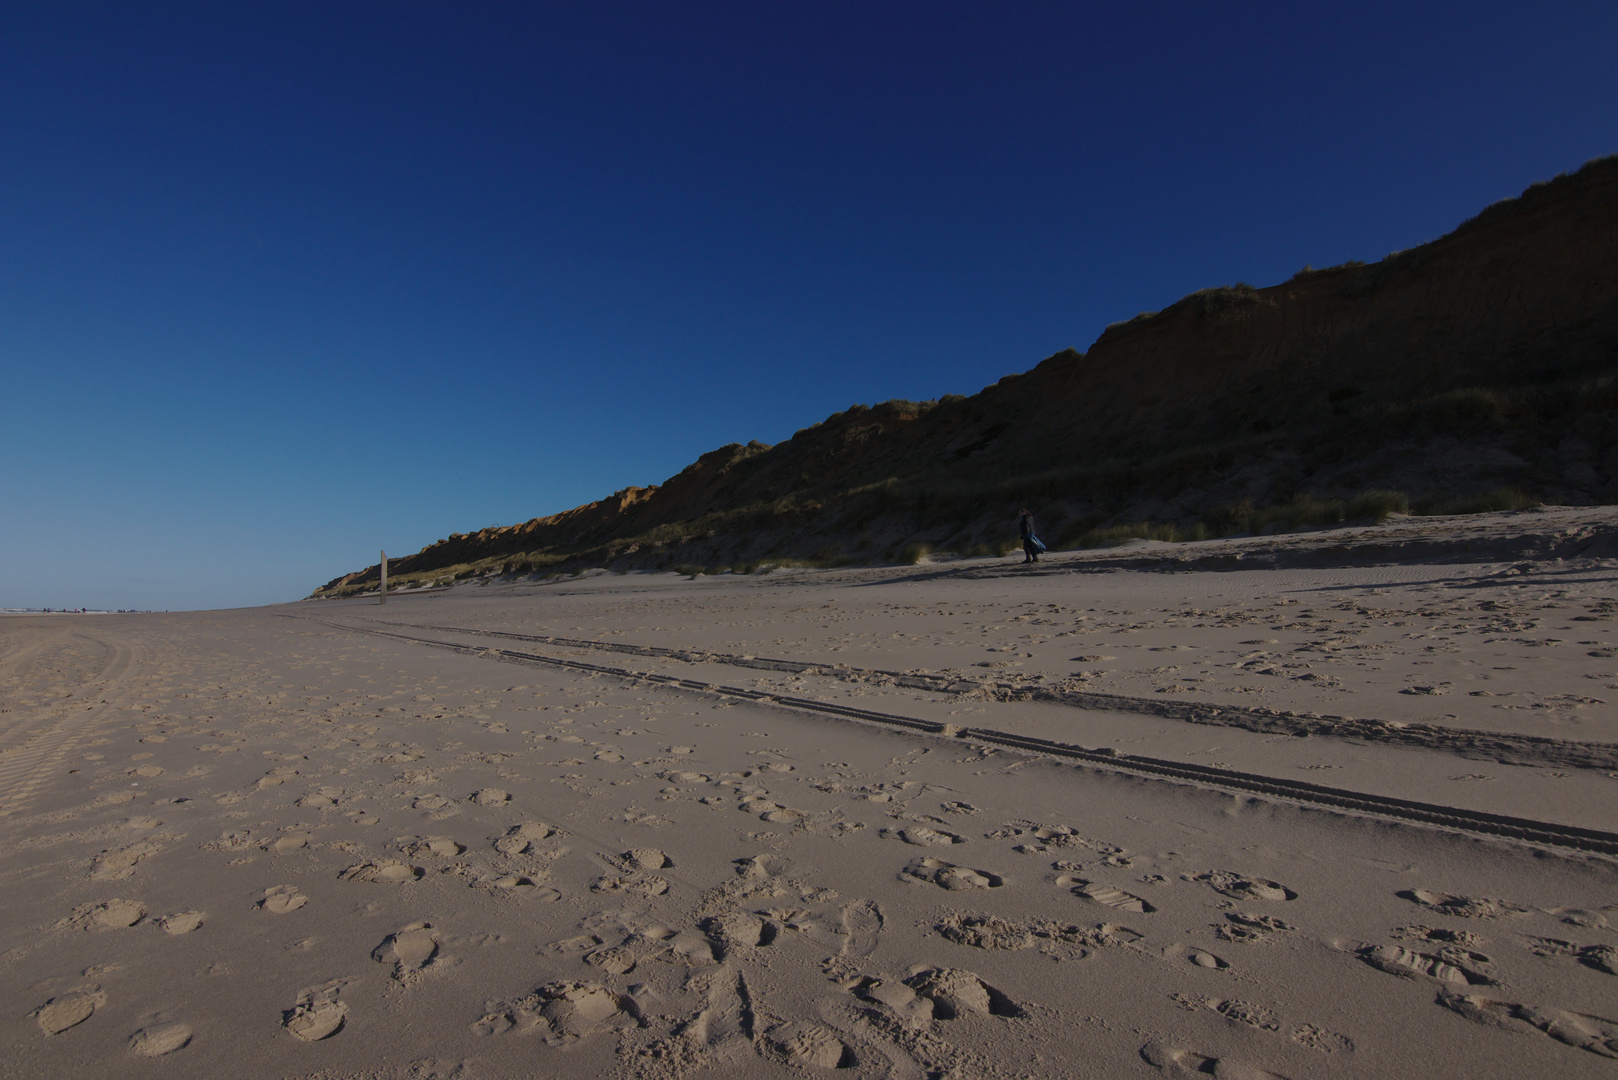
pixel 230 840
pixel 687 947
pixel 182 922
pixel 770 810
pixel 759 867
pixel 160 1040
pixel 862 928
pixel 107 915
pixel 1243 887
pixel 429 802
pixel 1058 836
pixel 921 836
pixel 319 1013
pixel 68 1010
pixel 725 1023
pixel 955 993
pixel 1600 957
pixel 409 950
pixel 645 859
pixel 1591 920
pixel 280 899
pixel 520 839
pixel 616 960
pixel 1462 907
pixel 1106 895
pixel 808 1044
pixel 1246 927
pixel 987 932
pixel 1245 1013
pixel 565 1011
pixel 909 1008
pixel 489 796
pixel 573 946
pixel 1111 934
pixel 646 885
pixel 1318 1038
pixel 676 776
pixel 1458 966
pixel 1596 1034
pixel 120 864
pixel 1178 1062
pixel 1059 940
pixel 801 920
pixel 1196 957
pixel 949 876
pixel 738 930
pixel 276 777
pixel 290 842
pixel 525 886
pixel 383 872
pixel 438 847
pixel 1441 936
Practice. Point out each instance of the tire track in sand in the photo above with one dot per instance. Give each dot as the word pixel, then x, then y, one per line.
pixel 27 767
pixel 1504 747
pixel 1355 802
pixel 17 725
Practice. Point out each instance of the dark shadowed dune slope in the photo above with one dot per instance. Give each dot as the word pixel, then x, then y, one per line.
pixel 1467 373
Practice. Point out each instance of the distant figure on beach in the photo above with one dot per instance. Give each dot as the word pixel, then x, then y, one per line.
pixel 1031 547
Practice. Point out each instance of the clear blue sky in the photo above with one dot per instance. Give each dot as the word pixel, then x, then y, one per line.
pixel 285 283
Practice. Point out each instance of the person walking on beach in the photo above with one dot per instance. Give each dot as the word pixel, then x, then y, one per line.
pixel 1031 547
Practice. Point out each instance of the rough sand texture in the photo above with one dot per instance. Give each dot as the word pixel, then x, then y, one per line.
pixel 277 843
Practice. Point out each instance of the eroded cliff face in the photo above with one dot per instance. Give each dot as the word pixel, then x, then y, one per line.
pixel 1487 357
pixel 569 527
pixel 1523 293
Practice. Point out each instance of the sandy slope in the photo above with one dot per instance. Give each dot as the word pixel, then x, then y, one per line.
pixel 272 843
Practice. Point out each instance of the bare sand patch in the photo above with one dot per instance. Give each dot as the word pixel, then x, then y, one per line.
pixel 365 855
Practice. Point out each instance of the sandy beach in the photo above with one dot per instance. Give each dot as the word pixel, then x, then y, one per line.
pixel 647 826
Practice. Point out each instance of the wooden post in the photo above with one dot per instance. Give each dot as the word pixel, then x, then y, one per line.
pixel 384 590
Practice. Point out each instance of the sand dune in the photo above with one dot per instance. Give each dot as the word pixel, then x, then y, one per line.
pixel 289 842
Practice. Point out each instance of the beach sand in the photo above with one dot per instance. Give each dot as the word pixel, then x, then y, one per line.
pixel 290 842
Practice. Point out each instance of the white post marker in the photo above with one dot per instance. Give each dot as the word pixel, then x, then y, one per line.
pixel 384 590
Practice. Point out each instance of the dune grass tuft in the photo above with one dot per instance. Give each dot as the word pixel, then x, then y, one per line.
pixel 915 553
pixel 1376 505
pixel 1501 498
